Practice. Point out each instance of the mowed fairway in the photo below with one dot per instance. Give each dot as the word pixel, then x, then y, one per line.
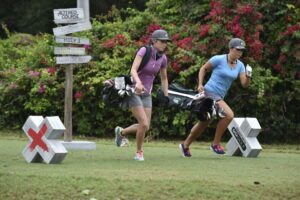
pixel 111 173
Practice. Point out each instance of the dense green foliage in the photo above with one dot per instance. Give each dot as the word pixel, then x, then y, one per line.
pixel 30 82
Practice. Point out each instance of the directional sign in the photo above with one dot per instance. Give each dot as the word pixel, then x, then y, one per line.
pixel 72 59
pixel 69 51
pixel 72 40
pixel 63 30
pixel 70 15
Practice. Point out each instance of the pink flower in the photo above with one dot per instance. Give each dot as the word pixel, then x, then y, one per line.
pixel 78 95
pixel 51 70
pixel 118 39
pixel 109 44
pixel 217 8
pixel 277 67
pixel 153 27
pixel 204 30
pixel 145 39
pixel 256 49
pixel 282 58
pixel 236 19
pixel 238 30
pixel 291 29
pixel 185 43
pixel 87 46
pixel 33 74
pixel 176 66
pixel 175 37
pixel 245 9
pixel 42 89
pixel 258 15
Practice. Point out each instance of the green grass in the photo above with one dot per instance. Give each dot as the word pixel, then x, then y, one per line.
pixel 111 173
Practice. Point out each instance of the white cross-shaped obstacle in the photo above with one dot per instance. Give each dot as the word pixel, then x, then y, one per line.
pixel 43 144
pixel 243 141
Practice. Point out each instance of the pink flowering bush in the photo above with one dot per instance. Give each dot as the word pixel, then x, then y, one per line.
pixel 118 39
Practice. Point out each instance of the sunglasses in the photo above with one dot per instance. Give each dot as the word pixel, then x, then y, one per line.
pixel 164 41
pixel 241 50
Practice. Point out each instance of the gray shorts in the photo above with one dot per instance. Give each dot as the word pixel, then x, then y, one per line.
pixel 144 100
pixel 213 96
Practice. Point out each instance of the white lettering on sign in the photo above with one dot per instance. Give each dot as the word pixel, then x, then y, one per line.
pixel 72 40
pixel 72 59
pixel 69 51
pixel 69 15
pixel 64 30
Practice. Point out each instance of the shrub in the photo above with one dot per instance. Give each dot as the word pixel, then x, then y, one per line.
pixel 31 83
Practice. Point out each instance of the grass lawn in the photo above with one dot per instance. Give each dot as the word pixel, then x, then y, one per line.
pixel 111 173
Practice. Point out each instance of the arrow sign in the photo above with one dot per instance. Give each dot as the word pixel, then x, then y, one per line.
pixel 72 40
pixel 72 59
pixel 70 15
pixel 63 30
pixel 69 51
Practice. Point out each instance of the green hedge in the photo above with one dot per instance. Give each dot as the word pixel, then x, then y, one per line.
pixel 31 83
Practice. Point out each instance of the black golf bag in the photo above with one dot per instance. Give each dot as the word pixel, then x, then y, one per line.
pixel 203 107
pixel 115 90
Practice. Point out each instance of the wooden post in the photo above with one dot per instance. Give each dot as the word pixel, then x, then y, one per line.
pixel 85 5
pixel 69 56
pixel 68 103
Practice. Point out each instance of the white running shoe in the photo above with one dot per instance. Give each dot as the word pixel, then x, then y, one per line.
pixel 125 142
pixel 139 156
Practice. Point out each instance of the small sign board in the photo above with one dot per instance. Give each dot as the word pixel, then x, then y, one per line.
pixel 69 51
pixel 72 40
pixel 69 15
pixel 64 30
pixel 72 59
pixel 243 141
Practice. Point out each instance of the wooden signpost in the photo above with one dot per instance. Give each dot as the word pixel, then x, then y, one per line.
pixel 72 59
pixel 64 30
pixel 72 40
pixel 69 15
pixel 69 51
pixel 73 55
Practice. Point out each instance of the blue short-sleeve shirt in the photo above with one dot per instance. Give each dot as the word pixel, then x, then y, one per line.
pixel 222 75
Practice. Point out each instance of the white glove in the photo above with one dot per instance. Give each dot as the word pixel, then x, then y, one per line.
pixel 199 95
pixel 248 71
pixel 109 83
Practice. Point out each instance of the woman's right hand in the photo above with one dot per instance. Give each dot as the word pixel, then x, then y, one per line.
pixel 139 88
pixel 200 88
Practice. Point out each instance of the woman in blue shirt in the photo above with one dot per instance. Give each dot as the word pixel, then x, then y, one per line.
pixel 225 69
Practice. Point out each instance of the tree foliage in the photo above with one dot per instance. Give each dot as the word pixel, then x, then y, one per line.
pixel 31 83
